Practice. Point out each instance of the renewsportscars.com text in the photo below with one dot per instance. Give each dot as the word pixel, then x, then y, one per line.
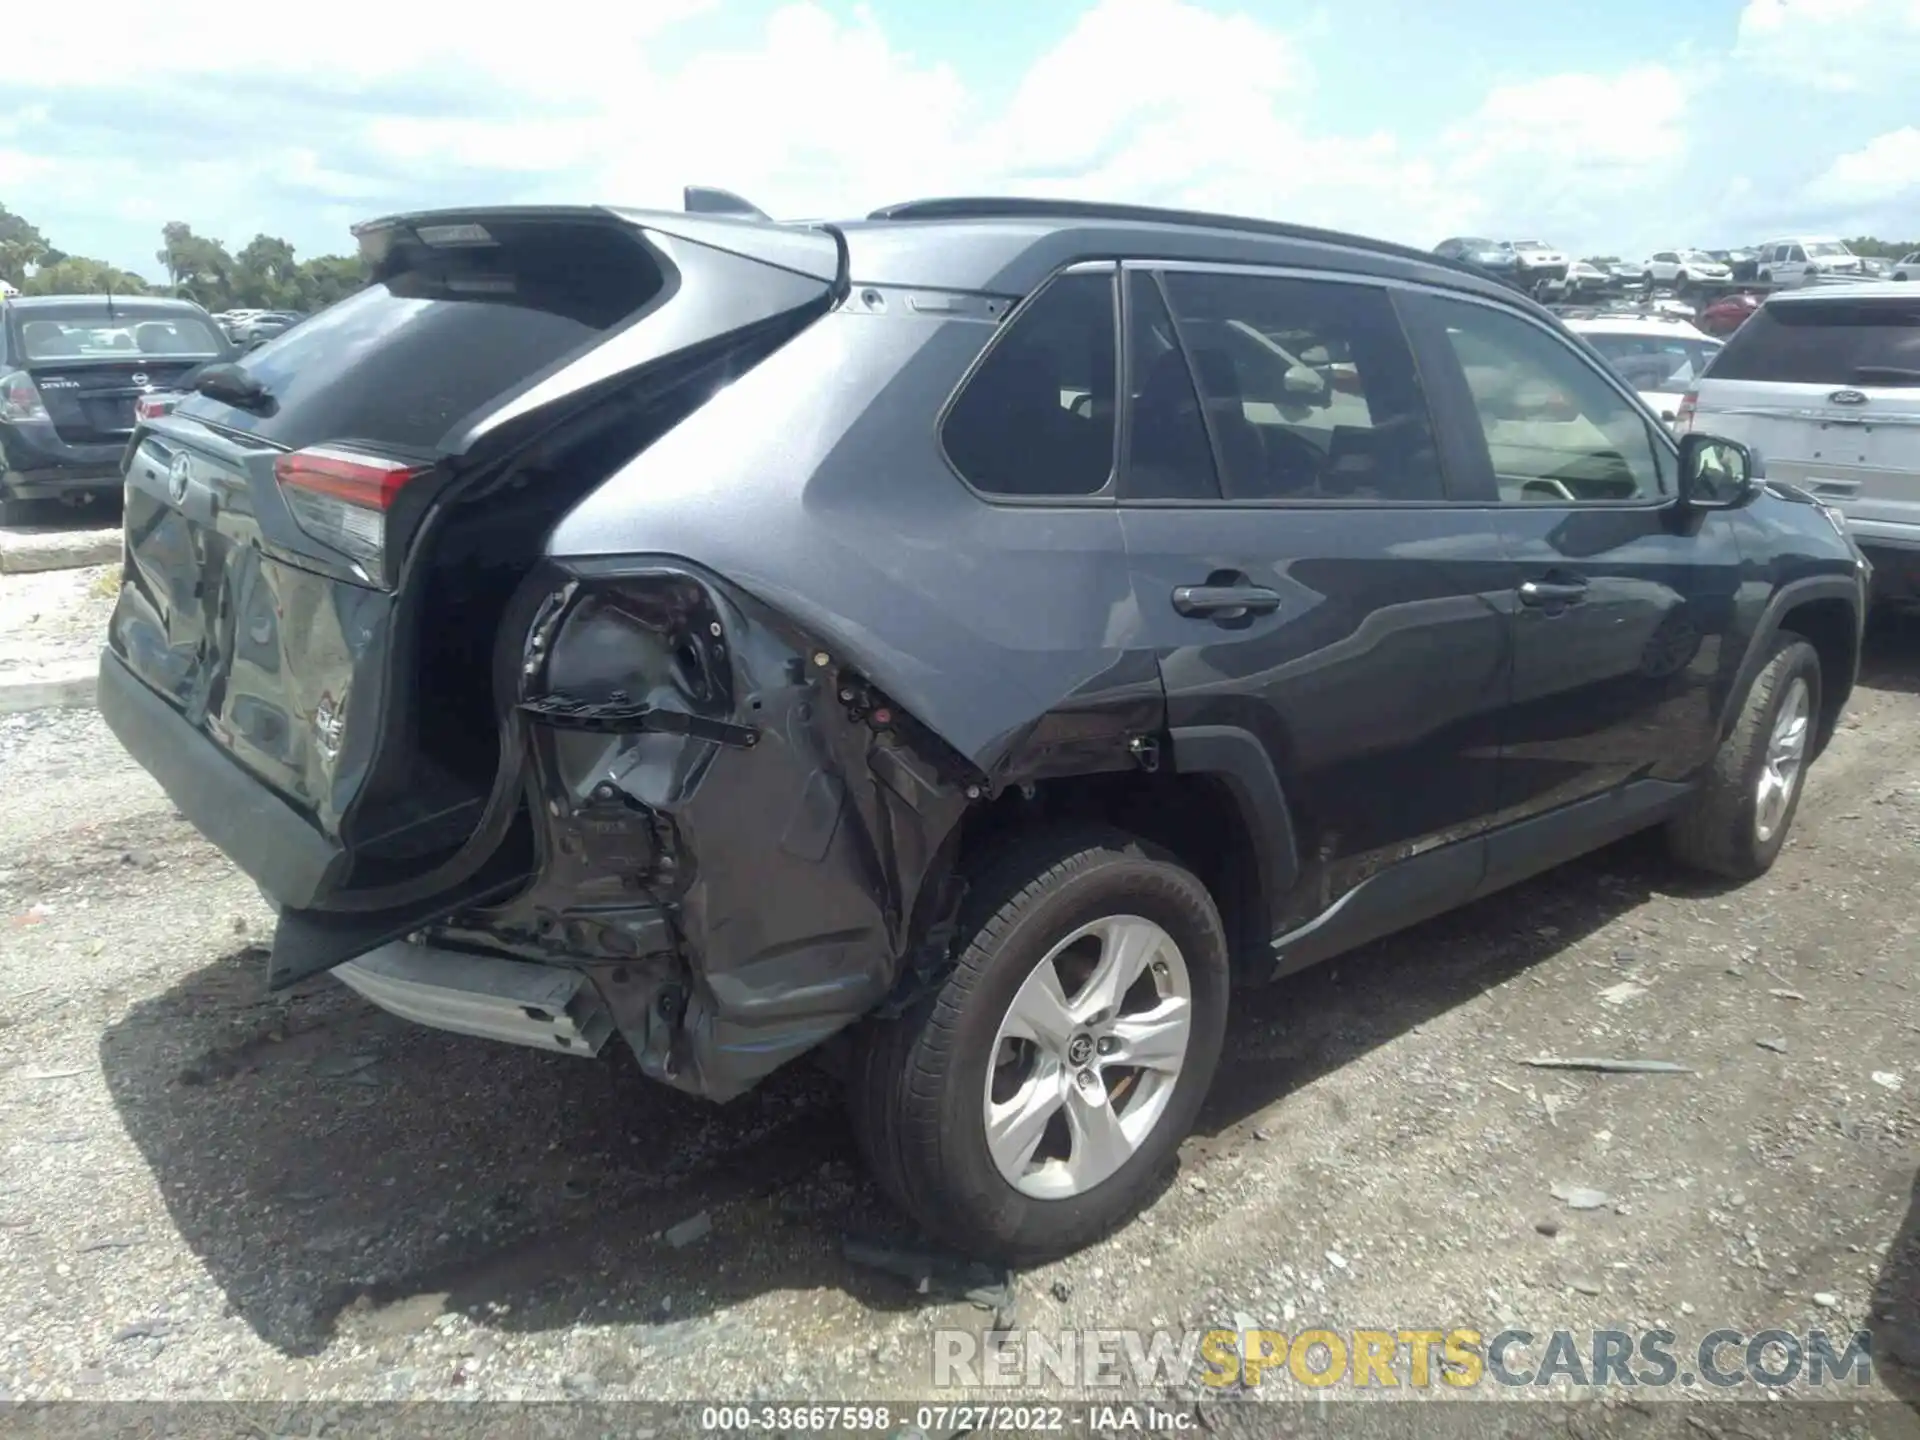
pixel 1457 1358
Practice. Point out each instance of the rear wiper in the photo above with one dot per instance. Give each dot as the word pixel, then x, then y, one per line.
pixel 1886 375
pixel 231 385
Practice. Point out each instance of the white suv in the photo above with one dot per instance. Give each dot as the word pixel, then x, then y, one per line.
pixel 1681 267
pixel 1907 267
pixel 1800 261
pixel 1825 386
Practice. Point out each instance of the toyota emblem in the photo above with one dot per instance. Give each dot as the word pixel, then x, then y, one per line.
pixel 179 476
pixel 1846 397
pixel 140 379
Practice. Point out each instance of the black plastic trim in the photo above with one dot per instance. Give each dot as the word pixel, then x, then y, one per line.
pixel 1238 759
pixel 1795 592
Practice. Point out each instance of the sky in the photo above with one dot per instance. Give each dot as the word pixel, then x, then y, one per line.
pixel 1613 129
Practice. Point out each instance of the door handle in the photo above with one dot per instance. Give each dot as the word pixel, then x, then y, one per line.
pixel 1225 601
pixel 1552 592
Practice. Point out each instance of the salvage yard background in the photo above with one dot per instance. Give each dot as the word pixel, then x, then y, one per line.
pixel 208 1192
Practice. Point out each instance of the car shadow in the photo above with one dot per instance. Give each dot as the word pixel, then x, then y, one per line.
pixel 1894 1312
pixel 1890 653
pixel 336 1170
pixel 51 517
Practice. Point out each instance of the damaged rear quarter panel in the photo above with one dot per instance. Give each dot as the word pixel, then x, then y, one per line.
pixel 734 837
pixel 812 504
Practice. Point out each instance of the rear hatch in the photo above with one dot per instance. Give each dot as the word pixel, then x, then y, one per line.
pixel 297 587
pixel 1827 389
pixel 90 360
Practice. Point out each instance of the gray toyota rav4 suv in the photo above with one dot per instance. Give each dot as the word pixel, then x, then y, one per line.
pixel 968 642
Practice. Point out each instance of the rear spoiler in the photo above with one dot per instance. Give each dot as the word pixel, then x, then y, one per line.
pixel 715 218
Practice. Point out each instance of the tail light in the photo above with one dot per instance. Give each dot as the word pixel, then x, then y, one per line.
pixel 341 498
pixel 152 407
pixel 1683 417
pixel 19 398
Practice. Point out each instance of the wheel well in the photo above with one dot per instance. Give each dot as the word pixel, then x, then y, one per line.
pixel 1829 626
pixel 1195 817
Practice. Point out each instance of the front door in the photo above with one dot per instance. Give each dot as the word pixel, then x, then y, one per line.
pixel 1302 579
pixel 1623 603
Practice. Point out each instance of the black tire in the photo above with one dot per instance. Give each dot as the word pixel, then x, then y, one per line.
pixel 1766 277
pixel 1718 833
pixel 919 1081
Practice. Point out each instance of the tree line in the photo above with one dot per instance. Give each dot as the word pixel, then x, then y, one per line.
pixel 263 274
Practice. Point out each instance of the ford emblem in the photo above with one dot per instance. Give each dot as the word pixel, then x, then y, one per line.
pixel 139 378
pixel 1846 397
pixel 179 476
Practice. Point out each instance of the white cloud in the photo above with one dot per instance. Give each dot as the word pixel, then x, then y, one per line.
pixel 1153 101
pixel 1832 45
pixel 355 41
pixel 1886 165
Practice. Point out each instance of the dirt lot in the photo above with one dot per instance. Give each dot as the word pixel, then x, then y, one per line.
pixel 207 1192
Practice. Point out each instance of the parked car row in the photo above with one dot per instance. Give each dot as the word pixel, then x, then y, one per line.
pixel 250 329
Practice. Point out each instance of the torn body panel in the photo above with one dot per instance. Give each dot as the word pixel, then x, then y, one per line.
pixel 732 828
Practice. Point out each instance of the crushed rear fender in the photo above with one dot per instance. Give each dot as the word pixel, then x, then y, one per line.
pixel 734 832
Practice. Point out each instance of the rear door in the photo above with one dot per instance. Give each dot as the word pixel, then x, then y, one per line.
pixel 1827 389
pixel 1304 582
pixel 272 525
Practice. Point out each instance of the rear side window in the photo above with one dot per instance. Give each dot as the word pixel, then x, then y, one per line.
pixel 1308 387
pixel 454 329
pixel 1036 418
pixel 1826 342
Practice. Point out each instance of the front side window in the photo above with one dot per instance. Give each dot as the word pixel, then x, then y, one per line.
pixel 1308 387
pixel 1036 418
pixel 1556 430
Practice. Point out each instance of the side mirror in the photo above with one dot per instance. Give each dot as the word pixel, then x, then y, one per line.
pixel 1716 474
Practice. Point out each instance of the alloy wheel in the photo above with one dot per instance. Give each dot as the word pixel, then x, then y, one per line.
pixel 1786 754
pixel 1087 1057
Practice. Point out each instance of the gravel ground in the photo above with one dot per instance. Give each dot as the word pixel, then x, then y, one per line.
pixel 55 614
pixel 208 1192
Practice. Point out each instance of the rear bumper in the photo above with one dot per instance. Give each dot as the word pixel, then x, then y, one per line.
pixel 36 464
pixel 267 838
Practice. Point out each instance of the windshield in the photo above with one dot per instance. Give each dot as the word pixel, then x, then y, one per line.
pixel 1699 257
pixel 1823 248
pixel 1656 362
pixel 90 333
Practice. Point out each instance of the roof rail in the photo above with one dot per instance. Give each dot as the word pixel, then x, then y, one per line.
pixel 711 200
pixel 1020 207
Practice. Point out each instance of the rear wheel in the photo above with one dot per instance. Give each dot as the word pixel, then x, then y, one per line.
pixel 1738 821
pixel 1034 1101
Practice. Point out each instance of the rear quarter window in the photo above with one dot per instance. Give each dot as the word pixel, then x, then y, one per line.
pixel 450 332
pixel 1826 342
